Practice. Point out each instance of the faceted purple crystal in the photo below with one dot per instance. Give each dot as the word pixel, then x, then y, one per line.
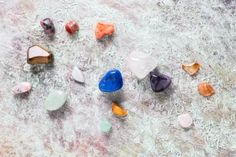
pixel 159 82
pixel 48 26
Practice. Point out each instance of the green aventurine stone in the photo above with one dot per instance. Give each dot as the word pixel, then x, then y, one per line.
pixel 105 126
pixel 55 100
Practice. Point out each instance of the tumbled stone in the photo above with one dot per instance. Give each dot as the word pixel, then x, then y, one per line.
pixel 48 26
pixel 118 110
pixel 192 68
pixel 21 88
pixel 141 64
pixel 72 27
pixel 104 29
pixel 105 126
pixel 205 89
pixel 55 100
pixel 111 81
pixel 185 120
pixel 77 75
pixel 38 55
pixel 159 82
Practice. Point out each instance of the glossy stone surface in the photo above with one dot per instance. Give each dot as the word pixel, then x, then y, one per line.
pixel 38 55
pixel 159 82
pixel 185 120
pixel 111 81
pixel 104 29
pixel 206 89
pixel 141 64
pixel 21 88
pixel 55 100
pixel 72 27
pixel 48 26
pixel 105 126
pixel 77 75
pixel 118 110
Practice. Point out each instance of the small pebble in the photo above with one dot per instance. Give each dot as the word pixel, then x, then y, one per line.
pixel 48 26
pixel 105 126
pixel 159 82
pixel 141 64
pixel 205 89
pixel 72 27
pixel 78 75
pixel 192 68
pixel 111 81
pixel 118 110
pixel 55 100
pixel 38 55
pixel 104 29
pixel 185 120
pixel 22 88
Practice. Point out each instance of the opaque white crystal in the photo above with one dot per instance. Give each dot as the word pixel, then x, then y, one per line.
pixel 77 75
pixel 141 64
pixel 185 120
pixel 55 100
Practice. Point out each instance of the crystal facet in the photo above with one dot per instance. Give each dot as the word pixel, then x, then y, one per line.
pixel 48 26
pixel 55 100
pixel 38 55
pixel 77 75
pixel 111 81
pixel 72 27
pixel 141 64
pixel 159 82
pixel 103 29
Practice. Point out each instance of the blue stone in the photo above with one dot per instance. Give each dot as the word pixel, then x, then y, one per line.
pixel 111 81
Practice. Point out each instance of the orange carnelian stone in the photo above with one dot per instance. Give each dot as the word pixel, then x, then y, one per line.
pixel 103 29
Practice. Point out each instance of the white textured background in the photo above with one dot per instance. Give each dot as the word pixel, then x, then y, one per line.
pixel 176 32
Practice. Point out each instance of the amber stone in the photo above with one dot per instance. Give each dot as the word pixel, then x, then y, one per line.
pixel 118 110
pixel 192 68
pixel 205 89
pixel 38 55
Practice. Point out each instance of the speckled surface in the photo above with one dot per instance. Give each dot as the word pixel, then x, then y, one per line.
pixel 175 32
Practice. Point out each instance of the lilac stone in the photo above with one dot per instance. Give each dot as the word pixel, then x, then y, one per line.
pixel 48 26
pixel 159 82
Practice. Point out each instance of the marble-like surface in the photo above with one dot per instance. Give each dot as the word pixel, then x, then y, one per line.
pixel 174 31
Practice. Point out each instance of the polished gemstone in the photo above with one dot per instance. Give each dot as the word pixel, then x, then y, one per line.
pixel 78 75
pixel 105 126
pixel 118 110
pixel 48 26
pixel 72 27
pixel 185 120
pixel 21 88
pixel 111 81
pixel 38 55
pixel 141 64
pixel 191 68
pixel 55 100
pixel 104 29
pixel 159 82
pixel 205 89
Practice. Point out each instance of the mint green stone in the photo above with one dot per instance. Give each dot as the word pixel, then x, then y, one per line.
pixel 55 100
pixel 105 126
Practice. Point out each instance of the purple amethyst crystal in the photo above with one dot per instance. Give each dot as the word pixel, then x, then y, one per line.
pixel 159 82
pixel 48 26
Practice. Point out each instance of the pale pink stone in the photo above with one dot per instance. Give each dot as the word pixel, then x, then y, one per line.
pixel 185 120
pixel 22 87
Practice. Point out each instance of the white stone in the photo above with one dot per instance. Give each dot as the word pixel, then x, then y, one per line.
pixel 22 87
pixel 185 120
pixel 141 64
pixel 77 75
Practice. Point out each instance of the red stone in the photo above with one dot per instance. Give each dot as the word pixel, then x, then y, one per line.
pixel 72 27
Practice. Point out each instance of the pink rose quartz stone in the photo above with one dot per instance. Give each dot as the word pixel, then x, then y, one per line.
pixel 185 120
pixel 21 88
